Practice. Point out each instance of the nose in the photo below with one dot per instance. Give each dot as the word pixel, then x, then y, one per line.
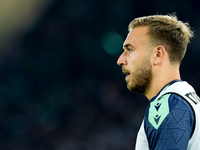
pixel 121 60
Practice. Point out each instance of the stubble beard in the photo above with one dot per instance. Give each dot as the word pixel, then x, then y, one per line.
pixel 141 78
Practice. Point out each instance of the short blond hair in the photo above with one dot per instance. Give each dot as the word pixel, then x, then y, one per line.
pixel 168 31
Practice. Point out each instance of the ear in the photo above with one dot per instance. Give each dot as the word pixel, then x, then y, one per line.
pixel 158 55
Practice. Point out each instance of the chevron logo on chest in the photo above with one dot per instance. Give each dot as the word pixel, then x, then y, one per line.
pixel 157 106
pixel 158 110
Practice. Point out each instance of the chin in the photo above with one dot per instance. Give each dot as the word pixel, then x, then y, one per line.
pixel 136 88
pixel 131 87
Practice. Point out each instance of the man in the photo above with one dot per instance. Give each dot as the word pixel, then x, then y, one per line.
pixel 153 51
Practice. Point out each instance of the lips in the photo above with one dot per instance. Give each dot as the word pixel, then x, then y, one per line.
pixel 126 72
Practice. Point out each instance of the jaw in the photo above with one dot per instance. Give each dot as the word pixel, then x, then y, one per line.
pixel 140 82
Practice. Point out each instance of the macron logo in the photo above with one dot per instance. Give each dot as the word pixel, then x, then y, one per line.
pixel 158 110
pixel 157 106
pixel 157 118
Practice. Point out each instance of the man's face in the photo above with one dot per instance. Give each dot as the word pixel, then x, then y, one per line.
pixel 135 60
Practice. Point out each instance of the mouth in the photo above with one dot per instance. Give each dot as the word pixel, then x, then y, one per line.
pixel 126 73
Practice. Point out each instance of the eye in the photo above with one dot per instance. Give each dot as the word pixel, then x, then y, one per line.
pixel 129 50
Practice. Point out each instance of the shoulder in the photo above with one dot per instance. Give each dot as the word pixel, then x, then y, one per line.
pixel 168 119
pixel 169 104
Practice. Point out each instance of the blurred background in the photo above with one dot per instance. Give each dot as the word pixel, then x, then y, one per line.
pixel 60 86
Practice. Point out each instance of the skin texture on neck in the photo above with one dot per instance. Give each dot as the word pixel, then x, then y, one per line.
pixel 163 77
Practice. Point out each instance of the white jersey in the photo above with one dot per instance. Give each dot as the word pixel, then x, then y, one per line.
pixel 173 127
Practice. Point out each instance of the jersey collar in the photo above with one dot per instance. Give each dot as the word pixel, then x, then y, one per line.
pixel 168 84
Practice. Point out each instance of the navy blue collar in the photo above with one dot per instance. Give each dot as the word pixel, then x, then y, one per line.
pixel 173 81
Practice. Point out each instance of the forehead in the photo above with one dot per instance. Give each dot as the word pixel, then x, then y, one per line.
pixel 137 35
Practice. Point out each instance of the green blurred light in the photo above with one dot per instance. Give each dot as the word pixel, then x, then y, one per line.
pixel 112 43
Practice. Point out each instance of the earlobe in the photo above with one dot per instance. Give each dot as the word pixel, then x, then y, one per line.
pixel 159 53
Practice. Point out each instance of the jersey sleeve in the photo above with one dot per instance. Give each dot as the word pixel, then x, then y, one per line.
pixel 168 123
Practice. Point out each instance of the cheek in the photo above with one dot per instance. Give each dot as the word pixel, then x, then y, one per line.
pixel 134 62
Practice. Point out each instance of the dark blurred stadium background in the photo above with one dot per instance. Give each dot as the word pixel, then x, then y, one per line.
pixel 60 86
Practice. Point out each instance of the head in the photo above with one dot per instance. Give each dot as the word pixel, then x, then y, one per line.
pixel 145 35
pixel 168 31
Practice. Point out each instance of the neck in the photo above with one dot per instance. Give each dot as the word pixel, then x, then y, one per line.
pixel 160 81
